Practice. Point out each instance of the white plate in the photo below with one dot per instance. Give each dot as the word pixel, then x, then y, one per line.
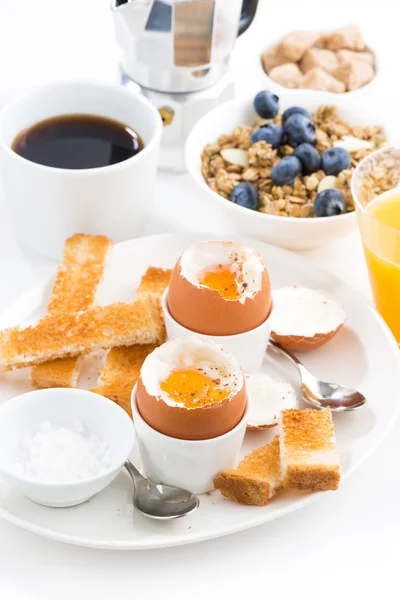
pixel 363 355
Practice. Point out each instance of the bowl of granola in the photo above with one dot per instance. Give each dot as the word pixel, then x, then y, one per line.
pixel 284 179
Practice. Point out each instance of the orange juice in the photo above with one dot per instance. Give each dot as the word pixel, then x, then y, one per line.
pixel 380 230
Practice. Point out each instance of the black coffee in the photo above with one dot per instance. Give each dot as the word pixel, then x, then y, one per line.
pixel 77 142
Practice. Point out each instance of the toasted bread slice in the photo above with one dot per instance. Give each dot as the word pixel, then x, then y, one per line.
pixel 80 273
pixel 121 372
pixel 122 366
pixel 256 479
pixel 153 284
pixel 62 372
pixel 309 457
pixel 70 334
pixel 74 289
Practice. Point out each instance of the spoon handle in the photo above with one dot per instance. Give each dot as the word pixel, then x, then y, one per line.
pixel 278 348
pixel 133 472
pixel 282 350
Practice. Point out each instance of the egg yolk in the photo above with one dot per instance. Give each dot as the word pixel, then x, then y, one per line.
pixel 221 279
pixel 193 389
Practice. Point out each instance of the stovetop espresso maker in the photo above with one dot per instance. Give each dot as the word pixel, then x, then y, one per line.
pixel 176 52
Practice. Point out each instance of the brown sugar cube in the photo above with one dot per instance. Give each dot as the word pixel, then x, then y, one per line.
pixel 288 75
pixel 318 79
pixel 346 37
pixel 272 58
pixel 309 456
pixel 296 43
pixel 345 56
pixel 354 74
pixel 319 57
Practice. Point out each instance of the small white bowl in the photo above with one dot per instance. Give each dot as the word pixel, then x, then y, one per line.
pixel 24 414
pixel 190 464
pixel 290 233
pixel 248 348
pixel 277 88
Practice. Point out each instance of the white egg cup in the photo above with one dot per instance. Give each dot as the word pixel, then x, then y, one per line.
pixel 248 348
pixel 190 464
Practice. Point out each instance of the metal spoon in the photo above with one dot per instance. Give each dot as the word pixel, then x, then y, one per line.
pixel 163 502
pixel 321 394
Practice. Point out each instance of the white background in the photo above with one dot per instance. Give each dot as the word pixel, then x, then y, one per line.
pixel 347 544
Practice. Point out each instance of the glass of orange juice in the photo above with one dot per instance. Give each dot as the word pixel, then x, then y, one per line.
pixel 376 190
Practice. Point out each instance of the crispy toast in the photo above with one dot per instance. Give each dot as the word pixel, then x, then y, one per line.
pixel 309 457
pixel 121 372
pixel 256 479
pixel 70 334
pixel 80 273
pixel 121 369
pixel 153 284
pixel 74 289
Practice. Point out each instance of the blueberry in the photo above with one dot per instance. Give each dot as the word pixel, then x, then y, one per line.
pixel 329 202
pixel 293 110
pixel 245 194
pixel 286 170
pixel 272 134
pixel 299 129
pixel 266 104
pixel 335 160
pixel 309 158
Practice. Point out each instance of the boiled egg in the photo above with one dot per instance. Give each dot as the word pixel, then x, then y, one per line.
pixel 191 389
pixel 304 319
pixel 219 288
pixel 267 399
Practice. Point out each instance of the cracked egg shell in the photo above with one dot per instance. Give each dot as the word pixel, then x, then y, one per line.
pixel 304 319
pixel 219 288
pixel 170 396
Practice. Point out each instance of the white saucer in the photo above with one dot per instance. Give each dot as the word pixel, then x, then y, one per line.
pixel 363 355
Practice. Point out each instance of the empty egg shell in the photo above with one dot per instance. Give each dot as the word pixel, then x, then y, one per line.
pixel 267 399
pixel 304 319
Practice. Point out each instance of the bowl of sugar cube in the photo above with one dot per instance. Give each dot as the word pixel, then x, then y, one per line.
pixel 337 61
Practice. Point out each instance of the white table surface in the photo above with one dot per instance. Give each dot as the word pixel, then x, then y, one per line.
pixel 345 544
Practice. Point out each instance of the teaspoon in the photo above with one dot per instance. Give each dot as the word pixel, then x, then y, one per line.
pixel 162 502
pixel 321 394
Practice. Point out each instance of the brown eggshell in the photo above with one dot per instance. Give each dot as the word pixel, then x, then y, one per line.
pixel 302 344
pixel 204 310
pixel 203 423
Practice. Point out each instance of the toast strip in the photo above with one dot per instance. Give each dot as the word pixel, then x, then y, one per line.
pixel 70 334
pixel 74 289
pixel 309 457
pixel 153 284
pixel 256 479
pixel 61 372
pixel 121 369
pixel 80 273
pixel 121 372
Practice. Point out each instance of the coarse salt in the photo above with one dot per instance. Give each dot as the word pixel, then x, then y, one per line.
pixel 61 454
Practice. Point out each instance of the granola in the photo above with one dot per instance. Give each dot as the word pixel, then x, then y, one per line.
pixel 377 175
pixel 297 199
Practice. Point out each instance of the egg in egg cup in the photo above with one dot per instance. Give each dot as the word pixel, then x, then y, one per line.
pixel 221 291
pixel 189 409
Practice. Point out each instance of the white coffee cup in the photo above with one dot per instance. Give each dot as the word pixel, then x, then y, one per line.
pixel 248 348
pixel 49 204
pixel 190 464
